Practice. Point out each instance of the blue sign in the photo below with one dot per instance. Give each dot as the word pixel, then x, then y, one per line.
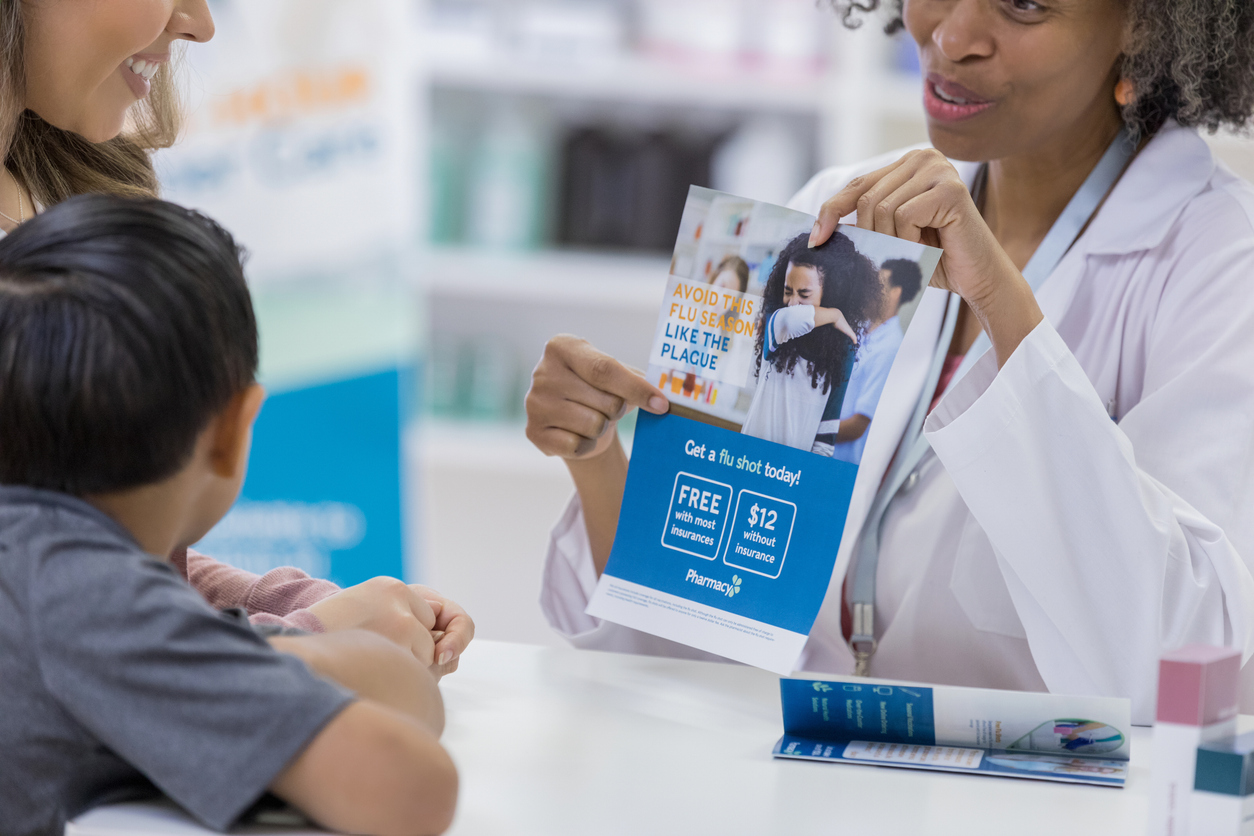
pixel 323 491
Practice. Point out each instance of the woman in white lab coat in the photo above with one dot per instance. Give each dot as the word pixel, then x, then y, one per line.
pixel 1088 500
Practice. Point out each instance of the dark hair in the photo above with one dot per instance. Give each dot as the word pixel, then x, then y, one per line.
pixel 1188 60
pixel 125 327
pixel 905 274
pixel 738 266
pixel 850 283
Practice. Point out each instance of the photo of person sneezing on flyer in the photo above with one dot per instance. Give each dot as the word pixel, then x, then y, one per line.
pixel 773 354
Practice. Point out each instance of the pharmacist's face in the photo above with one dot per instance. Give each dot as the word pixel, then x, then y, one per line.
pixel 1009 77
pixel 802 286
pixel 89 61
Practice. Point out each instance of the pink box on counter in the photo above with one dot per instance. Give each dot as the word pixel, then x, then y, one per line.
pixel 1197 703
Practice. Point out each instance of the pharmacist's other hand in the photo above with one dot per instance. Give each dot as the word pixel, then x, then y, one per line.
pixel 454 630
pixel 577 396
pixel 388 607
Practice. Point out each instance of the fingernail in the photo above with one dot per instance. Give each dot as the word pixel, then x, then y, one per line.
pixel 445 656
pixel 658 404
pixel 814 234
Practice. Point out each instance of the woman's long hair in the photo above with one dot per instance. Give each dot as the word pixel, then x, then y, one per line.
pixel 55 164
pixel 850 283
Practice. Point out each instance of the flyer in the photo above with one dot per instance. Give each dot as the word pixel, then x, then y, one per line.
pixel 774 355
pixel 1018 734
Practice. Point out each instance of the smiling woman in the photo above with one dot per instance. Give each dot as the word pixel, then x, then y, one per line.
pixel 87 93
pixel 74 116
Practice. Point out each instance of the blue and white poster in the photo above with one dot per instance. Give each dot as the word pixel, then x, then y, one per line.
pixel 774 355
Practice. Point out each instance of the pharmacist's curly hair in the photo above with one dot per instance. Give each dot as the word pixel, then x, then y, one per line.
pixel 850 283
pixel 1188 60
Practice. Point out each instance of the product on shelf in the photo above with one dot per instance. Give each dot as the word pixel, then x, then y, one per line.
pixel 627 190
pixel 508 180
pixel 764 159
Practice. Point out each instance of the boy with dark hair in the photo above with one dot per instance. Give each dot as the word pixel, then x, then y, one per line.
pixel 128 350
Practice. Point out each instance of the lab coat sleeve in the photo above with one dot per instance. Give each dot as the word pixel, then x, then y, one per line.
pixel 1096 524
pixel 567 585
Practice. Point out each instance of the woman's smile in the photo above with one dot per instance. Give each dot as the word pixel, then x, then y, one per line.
pixel 138 71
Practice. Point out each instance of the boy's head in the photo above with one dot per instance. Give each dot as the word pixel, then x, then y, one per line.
pixel 128 349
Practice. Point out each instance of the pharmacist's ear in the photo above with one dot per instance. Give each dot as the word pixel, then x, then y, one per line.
pixel 232 432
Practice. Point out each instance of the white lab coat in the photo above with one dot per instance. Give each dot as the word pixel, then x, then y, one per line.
pixel 1045 545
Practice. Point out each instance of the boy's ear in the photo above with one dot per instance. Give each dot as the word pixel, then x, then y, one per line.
pixel 232 432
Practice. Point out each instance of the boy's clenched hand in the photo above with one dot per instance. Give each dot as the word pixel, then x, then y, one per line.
pixel 433 628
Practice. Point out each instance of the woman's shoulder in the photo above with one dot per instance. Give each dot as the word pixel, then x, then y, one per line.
pixel 1174 197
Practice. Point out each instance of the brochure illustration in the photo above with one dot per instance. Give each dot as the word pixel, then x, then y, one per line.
pixel 774 355
pixel 1046 737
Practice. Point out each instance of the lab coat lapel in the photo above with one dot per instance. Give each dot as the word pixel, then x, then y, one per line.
pixel 901 393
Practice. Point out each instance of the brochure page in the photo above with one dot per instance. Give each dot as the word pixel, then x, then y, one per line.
pixel 774 355
pixel 1010 733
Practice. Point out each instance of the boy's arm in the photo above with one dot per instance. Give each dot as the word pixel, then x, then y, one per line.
pixel 377 767
pixel 373 770
pixel 373 668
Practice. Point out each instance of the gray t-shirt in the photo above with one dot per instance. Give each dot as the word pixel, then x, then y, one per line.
pixel 116 676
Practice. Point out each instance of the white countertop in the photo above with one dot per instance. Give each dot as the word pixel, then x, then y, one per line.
pixel 577 742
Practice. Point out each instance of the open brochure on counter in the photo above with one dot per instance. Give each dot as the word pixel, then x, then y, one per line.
pixel 1019 734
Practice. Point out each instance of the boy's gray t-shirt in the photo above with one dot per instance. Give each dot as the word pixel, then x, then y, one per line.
pixel 116 676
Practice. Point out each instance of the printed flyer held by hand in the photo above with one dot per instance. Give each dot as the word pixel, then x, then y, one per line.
pixel 774 355
pixel 1015 734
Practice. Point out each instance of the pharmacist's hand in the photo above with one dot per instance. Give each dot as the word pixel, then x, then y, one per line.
pixel 386 606
pixel 454 630
pixel 835 318
pixel 922 198
pixel 577 396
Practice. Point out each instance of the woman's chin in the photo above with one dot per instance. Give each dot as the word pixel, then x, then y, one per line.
pixel 102 129
pixel 956 143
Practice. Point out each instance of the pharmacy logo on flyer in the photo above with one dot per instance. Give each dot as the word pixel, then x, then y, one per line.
pixel 728 589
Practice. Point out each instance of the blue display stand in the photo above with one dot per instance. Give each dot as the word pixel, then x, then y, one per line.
pixel 323 491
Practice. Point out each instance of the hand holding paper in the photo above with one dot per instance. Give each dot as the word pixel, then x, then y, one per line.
pixel 578 393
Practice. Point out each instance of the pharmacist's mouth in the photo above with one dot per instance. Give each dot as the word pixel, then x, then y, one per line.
pixel 950 101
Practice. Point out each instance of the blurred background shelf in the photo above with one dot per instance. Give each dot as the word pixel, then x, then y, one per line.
pixel 630 79
pixel 562 277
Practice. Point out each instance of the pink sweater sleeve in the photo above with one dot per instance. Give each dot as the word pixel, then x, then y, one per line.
pixel 279 597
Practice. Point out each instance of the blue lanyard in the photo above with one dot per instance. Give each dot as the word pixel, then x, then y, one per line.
pixel 914 446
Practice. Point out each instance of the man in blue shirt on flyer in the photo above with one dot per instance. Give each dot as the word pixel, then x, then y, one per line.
pixel 844 438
